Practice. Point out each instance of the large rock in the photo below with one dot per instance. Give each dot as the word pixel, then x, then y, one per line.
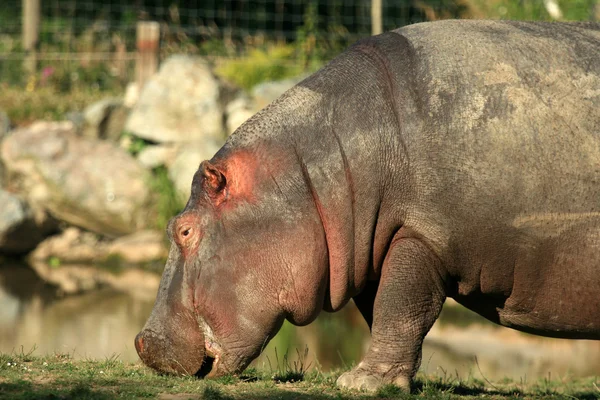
pixel 140 247
pixel 76 246
pixel 186 163
pixel 88 183
pixel 238 111
pixel 105 119
pixel 181 103
pixel 80 278
pixel 21 228
pixel 265 93
pixel 70 246
pixel 154 156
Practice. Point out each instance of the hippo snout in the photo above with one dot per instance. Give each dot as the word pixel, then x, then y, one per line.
pixel 177 354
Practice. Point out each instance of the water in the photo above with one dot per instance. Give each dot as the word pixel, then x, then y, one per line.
pixel 102 324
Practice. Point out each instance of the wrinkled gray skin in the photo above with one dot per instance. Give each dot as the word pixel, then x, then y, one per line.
pixel 450 159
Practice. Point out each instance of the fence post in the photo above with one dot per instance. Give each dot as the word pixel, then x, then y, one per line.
pixel 147 43
pixel 31 33
pixel 376 19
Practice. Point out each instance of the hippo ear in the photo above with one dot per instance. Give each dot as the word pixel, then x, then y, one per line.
pixel 214 181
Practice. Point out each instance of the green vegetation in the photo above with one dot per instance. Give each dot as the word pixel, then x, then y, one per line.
pixel 24 376
pixel 274 62
pixel 291 371
pixel 168 203
pixel 24 106
pixel 572 10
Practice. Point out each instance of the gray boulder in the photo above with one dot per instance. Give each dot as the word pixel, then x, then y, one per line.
pixel 188 158
pixel 21 228
pixel 154 156
pixel 238 111
pixel 265 93
pixel 179 104
pixel 88 183
pixel 105 119
pixel 76 246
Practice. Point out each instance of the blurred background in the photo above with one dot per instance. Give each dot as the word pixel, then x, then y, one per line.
pixel 106 109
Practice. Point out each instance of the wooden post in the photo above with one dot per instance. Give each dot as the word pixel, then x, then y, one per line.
pixel 376 17
pixel 147 42
pixel 31 33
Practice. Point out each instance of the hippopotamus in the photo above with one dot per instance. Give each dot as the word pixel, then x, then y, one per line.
pixel 451 159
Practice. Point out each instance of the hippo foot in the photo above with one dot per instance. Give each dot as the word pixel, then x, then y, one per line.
pixel 361 379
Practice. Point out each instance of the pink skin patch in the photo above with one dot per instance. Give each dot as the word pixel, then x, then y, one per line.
pixel 240 170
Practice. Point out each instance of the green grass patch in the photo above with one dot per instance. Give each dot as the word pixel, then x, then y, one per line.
pixel 24 106
pixel 58 376
pixel 168 202
pixel 271 63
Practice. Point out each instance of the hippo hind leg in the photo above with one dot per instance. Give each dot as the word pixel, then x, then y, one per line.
pixel 408 300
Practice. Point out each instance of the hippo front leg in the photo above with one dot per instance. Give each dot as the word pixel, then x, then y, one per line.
pixel 409 299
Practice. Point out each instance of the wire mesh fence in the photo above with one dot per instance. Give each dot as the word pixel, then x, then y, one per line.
pixel 95 40
pixel 64 20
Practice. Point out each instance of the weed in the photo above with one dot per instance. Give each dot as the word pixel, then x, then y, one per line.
pixel 26 356
pixel 213 393
pixel 271 63
pixel 391 392
pixel 227 379
pixel 111 362
pixel 290 372
pixel 54 262
pixel 133 144
pixel 168 203
pixel 113 263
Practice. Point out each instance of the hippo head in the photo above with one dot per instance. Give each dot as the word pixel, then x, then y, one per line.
pixel 247 252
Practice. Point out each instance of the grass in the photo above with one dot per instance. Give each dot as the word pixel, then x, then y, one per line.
pixel 168 202
pixel 24 106
pixel 273 63
pixel 58 376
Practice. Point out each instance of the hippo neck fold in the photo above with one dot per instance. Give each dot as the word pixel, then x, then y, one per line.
pixel 341 127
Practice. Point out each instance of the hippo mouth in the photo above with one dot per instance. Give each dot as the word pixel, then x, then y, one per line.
pixel 212 351
pixel 207 367
pixel 210 364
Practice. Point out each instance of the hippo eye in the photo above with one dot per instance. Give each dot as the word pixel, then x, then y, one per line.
pixel 185 232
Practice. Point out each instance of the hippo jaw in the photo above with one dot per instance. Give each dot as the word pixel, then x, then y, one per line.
pixel 183 347
pixel 166 354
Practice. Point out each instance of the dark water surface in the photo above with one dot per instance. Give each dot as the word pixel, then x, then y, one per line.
pixel 103 323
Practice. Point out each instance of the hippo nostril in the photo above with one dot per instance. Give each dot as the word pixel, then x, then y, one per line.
pixel 206 367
